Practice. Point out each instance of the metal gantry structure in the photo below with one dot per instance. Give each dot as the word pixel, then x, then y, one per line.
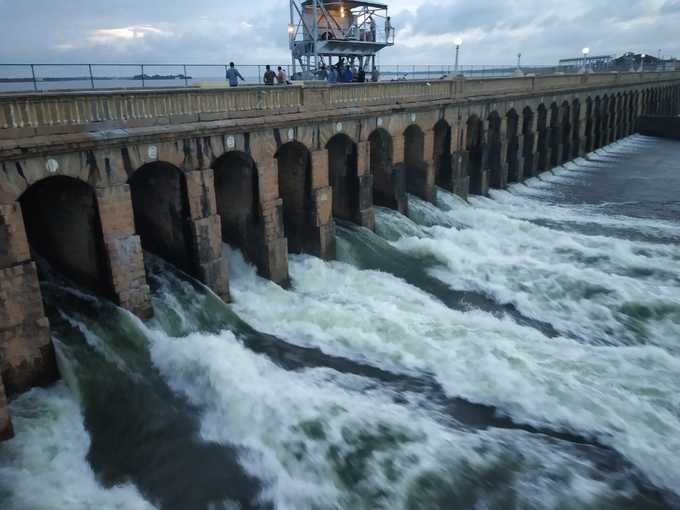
pixel 325 32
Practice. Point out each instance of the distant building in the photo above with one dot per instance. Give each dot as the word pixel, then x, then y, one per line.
pixel 592 62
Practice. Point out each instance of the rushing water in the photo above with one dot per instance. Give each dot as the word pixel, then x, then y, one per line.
pixel 519 351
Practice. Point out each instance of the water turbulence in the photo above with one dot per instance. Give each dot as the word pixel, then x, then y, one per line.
pixel 519 351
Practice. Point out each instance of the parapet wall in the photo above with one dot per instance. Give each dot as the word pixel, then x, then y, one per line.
pixel 42 114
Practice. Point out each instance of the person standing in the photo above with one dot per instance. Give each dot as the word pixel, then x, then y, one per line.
pixel 375 74
pixel 233 75
pixel 323 73
pixel 361 78
pixel 347 75
pixel 269 76
pixel 332 75
pixel 281 76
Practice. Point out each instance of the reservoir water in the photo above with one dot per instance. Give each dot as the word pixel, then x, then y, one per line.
pixel 520 351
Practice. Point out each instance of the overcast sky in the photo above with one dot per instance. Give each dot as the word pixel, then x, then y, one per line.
pixel 254 31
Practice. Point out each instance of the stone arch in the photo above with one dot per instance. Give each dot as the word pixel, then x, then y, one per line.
pixel 63 227
pixel 542 145
pixel 475 149
pixel 494 158
pixel 576 128
pixel 161 210
pixel 528 138
pixel 237 199
pixel 295 189
pixel 565 132
pixel 515 169
pixel 343 177
pixel 555 136
pixel 589 126
pixel 443 170
pixel 389 189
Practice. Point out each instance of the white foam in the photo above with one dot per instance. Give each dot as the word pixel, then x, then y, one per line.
pixel 45 466
pixel 321 439
pixel 369 315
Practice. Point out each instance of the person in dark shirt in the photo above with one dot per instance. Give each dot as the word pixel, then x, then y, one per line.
pixel 269 76
pixel 347 75
pixel 361 78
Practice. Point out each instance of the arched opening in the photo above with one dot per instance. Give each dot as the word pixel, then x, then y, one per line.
pixel 597 123
pixel 528 136
pixel 414 160
pixel 475 147
pixel 565 132
pixel 514 172
pixel 62 224
pixel 442 155
pixel 555 135
pixel 494 150
pixel 589 125
pixel 543 138
pixel 386 186
pixel 237 197
pixel 575 128
pixel 343 177
pixel 161 209
pixel 295 188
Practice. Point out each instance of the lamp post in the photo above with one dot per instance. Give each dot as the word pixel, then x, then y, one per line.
pixel 585 52
pixel 642 62
pixel 519 61
pixel 458 42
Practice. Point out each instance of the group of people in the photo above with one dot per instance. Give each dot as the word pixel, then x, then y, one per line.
pixel 338 73
pixel 270 77
pixel 344 73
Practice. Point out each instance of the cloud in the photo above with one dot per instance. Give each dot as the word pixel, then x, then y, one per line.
pixel 112 35
pixel 215 31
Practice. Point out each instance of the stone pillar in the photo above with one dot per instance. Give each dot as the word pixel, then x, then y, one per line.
pixel 366 214
pixel 26 351
pixel 123 250
pixel 6 431
pixel 421 177
pixel 272 260
pixel 580 140
pixel 206 232
pixel 322 207
pixel 519 153
pixel 485 172
pixel 530 148
pixel 503 158
pixel 460 181
pixel 399 175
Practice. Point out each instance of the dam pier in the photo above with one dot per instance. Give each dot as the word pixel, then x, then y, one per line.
pixel 89 181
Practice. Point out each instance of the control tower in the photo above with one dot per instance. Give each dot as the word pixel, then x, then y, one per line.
pixel 325 31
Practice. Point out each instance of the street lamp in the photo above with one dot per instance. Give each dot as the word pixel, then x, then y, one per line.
pixel 458 42
pixel 642 62
pixel 519 61
pixel 585 52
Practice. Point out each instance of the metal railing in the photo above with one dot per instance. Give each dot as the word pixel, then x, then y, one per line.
pixel 53 77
